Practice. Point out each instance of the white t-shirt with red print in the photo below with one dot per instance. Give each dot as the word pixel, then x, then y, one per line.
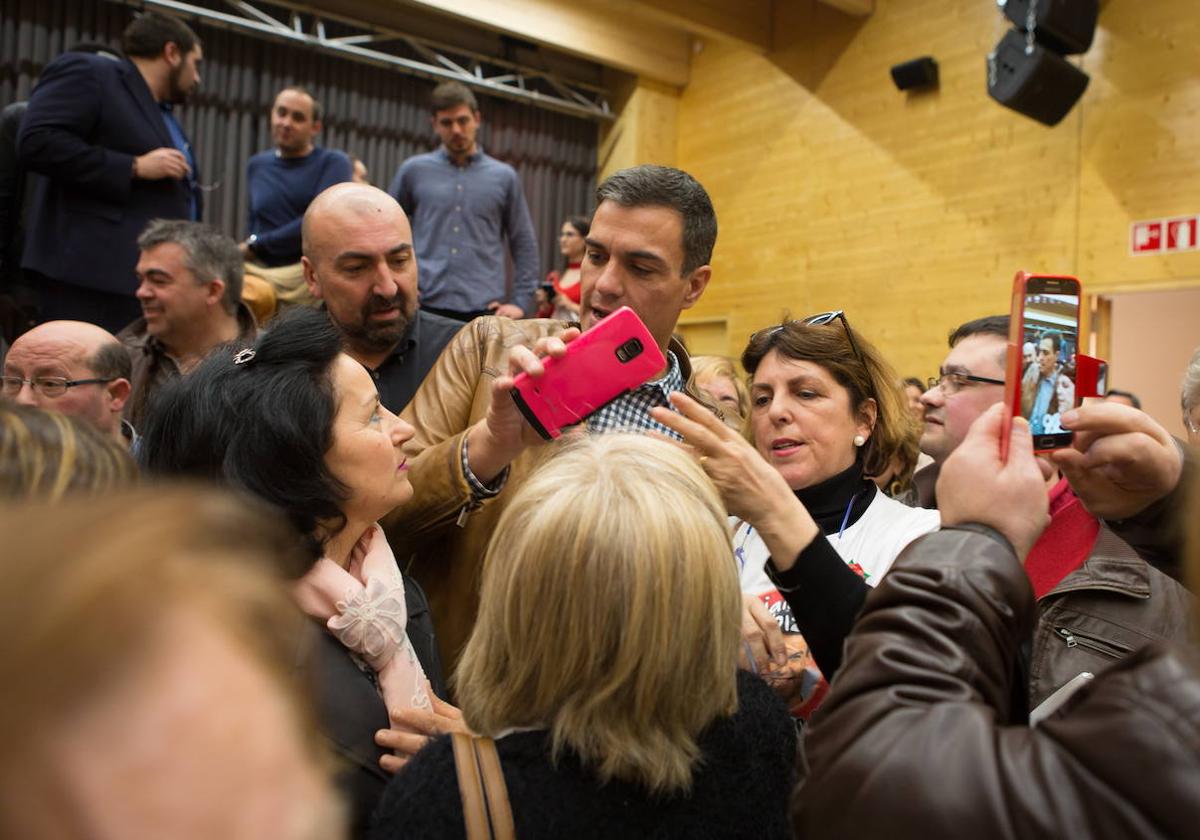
pixel 869 546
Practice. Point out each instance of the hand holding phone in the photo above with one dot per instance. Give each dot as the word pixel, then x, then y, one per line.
pixel 502 434
pixel 613 357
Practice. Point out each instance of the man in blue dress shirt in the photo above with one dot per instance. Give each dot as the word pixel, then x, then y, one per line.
pixel 463 205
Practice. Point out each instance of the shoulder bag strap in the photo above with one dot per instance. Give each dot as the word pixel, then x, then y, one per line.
pixel 496 790
pixel 469 785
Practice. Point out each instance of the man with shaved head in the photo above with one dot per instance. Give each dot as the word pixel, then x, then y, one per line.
pixel 73 368
pixel 360 262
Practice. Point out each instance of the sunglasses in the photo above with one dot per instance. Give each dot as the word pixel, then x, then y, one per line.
pixel 819 321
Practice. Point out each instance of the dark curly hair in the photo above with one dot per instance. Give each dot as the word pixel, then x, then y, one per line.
pixel 262 426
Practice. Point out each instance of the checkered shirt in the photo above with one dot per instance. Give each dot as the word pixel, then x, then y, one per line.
pixel 631 412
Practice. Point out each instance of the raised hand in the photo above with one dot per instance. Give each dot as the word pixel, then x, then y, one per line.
pixel 503 434
pixel 162 163
pixel 1121 461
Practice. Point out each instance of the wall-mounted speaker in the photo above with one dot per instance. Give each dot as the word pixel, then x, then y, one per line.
pixel 1065 26
pixel 1037 83
pixel 918 73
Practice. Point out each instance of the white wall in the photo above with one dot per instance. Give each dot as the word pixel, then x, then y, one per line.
pixel 1153 336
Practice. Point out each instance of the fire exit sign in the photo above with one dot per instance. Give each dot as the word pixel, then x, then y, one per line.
pixel 1165 236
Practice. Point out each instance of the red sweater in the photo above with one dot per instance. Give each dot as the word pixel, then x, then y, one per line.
pixel 1066 542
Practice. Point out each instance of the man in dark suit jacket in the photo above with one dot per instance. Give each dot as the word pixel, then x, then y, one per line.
pixel 101 130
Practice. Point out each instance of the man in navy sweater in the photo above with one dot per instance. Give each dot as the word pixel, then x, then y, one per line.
pixel 282 182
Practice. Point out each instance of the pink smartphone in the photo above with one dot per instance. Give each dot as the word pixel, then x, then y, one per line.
pixel 611 358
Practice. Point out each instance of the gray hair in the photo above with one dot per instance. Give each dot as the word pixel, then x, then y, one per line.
pixel 208 253
pixel 1190 392
pixel 662 186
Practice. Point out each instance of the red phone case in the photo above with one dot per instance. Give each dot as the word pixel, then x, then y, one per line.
pixel 590 375
pixel 1016 337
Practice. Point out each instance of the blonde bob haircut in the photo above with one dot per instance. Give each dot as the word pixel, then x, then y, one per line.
pixel 47 455
pixel 88 584
pixel 610 612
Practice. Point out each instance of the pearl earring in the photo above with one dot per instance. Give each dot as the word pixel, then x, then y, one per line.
pixel 859 440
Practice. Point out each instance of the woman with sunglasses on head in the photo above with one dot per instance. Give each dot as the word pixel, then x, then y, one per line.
pixel 815 533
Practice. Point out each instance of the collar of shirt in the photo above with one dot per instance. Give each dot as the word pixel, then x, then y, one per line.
pixel 671 381
pixel 136 336
pixel 410 339
pixel 632 410
pixel 474 157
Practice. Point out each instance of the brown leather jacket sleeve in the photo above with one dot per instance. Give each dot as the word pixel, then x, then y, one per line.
pixel 915 738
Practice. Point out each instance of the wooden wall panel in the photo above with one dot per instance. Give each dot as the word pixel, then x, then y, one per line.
pixel 912 211
pixel 646 129
pixel 1141 141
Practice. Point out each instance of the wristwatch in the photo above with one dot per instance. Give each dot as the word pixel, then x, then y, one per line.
pixel 251 240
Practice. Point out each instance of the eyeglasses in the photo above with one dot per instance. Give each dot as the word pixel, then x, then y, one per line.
pixel 952 382
pixel 48 386
pixel 820 321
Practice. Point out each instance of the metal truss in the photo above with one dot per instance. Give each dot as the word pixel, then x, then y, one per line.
pixel 399 51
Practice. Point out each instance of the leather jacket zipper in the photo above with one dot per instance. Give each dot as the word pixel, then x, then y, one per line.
pixel 1074 638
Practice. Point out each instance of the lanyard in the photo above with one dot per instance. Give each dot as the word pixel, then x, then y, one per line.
pixel 846 517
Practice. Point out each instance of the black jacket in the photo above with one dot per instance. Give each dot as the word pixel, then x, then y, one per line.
pixel 88 118
pixel 740 789
pixel 350 709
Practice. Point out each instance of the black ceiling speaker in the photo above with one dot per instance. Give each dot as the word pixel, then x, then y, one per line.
pixel 1037 83
pixel 1066 26
pixel 918 73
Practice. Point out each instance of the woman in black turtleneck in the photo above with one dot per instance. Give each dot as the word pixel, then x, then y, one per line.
pixel 825 413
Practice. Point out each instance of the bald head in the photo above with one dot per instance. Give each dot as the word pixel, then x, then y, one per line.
pixel 344 205
pixel 74 351
pixel 68 337
pixel 360 260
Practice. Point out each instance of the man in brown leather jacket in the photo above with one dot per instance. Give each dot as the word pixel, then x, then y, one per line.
pixel 1097 600
pixel 921 737
pixel 648 248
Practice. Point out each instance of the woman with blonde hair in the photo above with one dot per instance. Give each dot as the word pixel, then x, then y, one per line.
pixel 46 455
pixel 603 663
pixel 146 672
pixel 716 376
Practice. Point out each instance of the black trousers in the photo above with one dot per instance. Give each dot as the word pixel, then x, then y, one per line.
pixel 60 301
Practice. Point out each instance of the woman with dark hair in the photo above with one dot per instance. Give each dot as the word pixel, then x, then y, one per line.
pixel 296 422
pixel 566 281
pixel 815 533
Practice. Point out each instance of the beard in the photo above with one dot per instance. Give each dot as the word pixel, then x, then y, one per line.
pixel 379 337
pixel 176 94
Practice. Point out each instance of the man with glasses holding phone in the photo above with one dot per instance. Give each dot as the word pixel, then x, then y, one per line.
pixel 72 368
pixel 1098 601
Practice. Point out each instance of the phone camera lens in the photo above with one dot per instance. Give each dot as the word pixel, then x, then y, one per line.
pixel 631 349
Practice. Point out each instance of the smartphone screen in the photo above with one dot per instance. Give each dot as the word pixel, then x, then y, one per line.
pixel 1050 342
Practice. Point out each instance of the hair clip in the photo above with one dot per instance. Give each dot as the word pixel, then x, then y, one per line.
pixel 244 356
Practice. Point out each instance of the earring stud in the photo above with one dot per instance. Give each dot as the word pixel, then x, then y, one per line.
pixel 859 440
